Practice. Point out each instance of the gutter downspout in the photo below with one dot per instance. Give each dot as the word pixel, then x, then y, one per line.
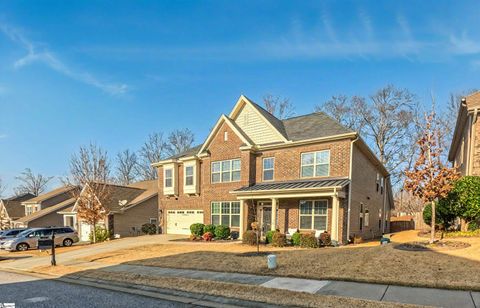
pixel 350 188
pixel 471 145
pixel 385 191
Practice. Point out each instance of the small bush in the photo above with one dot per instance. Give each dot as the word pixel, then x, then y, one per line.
pixel 209 228
pixel 101 234
pixel 149 229
pixel 279 239
pixel 473 226
pixel 222 232
pixel 357 240
pixel 308 240
pixel 207 236
pixel 268 236
pixel 463 233
pixel 325 239
pixel 234 235
pixel 197 229
pixel 250 237
pixel 296 238
pixel 193 237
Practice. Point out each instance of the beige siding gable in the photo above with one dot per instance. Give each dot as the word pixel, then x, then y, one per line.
pixel 255 126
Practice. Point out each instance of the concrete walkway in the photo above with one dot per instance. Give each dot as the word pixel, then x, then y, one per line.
pixel 378 292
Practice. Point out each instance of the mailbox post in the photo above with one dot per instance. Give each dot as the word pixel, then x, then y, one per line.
pixel 48 243
pixel 53 261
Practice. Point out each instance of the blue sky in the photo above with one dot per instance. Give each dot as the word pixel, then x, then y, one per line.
pixel 112 72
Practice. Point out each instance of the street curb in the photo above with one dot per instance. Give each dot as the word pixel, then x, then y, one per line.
pixel 142 290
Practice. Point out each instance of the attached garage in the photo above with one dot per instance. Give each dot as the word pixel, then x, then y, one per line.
pixel 179 221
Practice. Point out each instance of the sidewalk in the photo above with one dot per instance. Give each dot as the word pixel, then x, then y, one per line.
pixel 377 292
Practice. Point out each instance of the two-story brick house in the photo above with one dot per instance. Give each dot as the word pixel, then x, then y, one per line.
pixel 465 148
pixel 307 172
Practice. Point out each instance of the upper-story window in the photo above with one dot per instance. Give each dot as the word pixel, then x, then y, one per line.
pixel 315 164
pixel 268 168
pixel 226 171
pixel 168 177
pixel 189 174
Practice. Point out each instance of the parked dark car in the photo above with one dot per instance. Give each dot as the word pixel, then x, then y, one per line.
pixel 4 234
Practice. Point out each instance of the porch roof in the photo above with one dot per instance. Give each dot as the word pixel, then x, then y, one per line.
pixel 297 185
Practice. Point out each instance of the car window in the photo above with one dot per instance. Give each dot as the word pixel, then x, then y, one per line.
pixel 14 232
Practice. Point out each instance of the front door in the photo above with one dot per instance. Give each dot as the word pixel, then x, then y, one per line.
pixel 266 219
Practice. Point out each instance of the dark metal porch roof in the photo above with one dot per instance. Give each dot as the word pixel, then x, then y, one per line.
pixel 294 185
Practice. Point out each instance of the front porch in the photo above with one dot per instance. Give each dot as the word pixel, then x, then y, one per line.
pixel 313 205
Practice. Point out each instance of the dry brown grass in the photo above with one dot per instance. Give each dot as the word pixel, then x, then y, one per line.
pixel 245 292
pixel 369 262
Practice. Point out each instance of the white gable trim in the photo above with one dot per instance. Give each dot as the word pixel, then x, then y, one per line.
pixel 243 100
pixel 216 128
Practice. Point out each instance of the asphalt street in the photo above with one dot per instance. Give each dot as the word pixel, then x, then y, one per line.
pixel 28 291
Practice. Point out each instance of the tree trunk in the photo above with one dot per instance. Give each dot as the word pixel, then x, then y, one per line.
pixel 432 231
pixel 94 234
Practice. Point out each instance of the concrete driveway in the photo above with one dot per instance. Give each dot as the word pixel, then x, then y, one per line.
pixel 87 250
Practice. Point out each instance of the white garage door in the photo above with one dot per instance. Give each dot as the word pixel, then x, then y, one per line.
pixel 179 221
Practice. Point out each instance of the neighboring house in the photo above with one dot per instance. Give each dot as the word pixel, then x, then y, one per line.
pixel 48 199
pixel 12 209
pixel 465 148
pixel 47 217
pixel 128 209
pixel 307 172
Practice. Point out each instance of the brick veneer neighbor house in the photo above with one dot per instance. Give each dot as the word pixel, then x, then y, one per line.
pixel 465 148
pixel 12 209
pixel 127 210
pixel 307 172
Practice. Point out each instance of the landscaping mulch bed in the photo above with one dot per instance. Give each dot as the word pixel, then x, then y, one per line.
pixel 439 245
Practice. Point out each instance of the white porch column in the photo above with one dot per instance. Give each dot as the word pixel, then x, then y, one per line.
pixel 242 227
pixel 274 214
pixel 335 217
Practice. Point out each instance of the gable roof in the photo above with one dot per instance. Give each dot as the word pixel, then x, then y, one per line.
pixel 313 125
pixel 51 194
pixel 46 211
pixel 124 197
pixel 14 207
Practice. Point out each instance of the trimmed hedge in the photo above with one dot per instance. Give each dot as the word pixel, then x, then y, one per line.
pixel 296 238
pixel 325 239
pixel 149 229
pixel 222 232
pixel 101 234
pixel 268 236
pixel 197 229
pixel 209 228
pixel 250 237
pixel 308 240
pixel 279 239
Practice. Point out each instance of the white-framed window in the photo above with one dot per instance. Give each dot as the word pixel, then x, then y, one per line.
pixel 268 168
pixel 377 182
pixel 153 221
pixel 226 213
pixel 169 177
pixel 189 175
pixel 225 136
pixel 315 164
pixel 382 183
pixel 367 218
pixel 69 221
pixel 313 214
pixel 226 171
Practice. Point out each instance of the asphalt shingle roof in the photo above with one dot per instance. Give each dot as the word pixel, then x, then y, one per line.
pixel 57 207
pixel 297 184
pixel 14 206
pixel 313 125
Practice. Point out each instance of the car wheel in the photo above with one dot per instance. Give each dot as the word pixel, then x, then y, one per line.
pixel 22 247
pixel 67 242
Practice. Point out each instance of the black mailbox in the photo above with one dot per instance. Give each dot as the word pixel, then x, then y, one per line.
pixel 45 243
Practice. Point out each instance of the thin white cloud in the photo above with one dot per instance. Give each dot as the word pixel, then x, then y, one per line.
pixel 48 58
pixel 366 22
pixel 3 136
pixel 464 44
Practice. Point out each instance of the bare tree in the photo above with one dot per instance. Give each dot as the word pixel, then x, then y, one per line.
pixel 32 183
pixel 406 202
pixel 152 151
pixel 126 167
pixel 180 140
pixel 90 169
pixel 281 108
pixel 344 110
pixel 387 121
pixel 430 179
pixel 2 188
